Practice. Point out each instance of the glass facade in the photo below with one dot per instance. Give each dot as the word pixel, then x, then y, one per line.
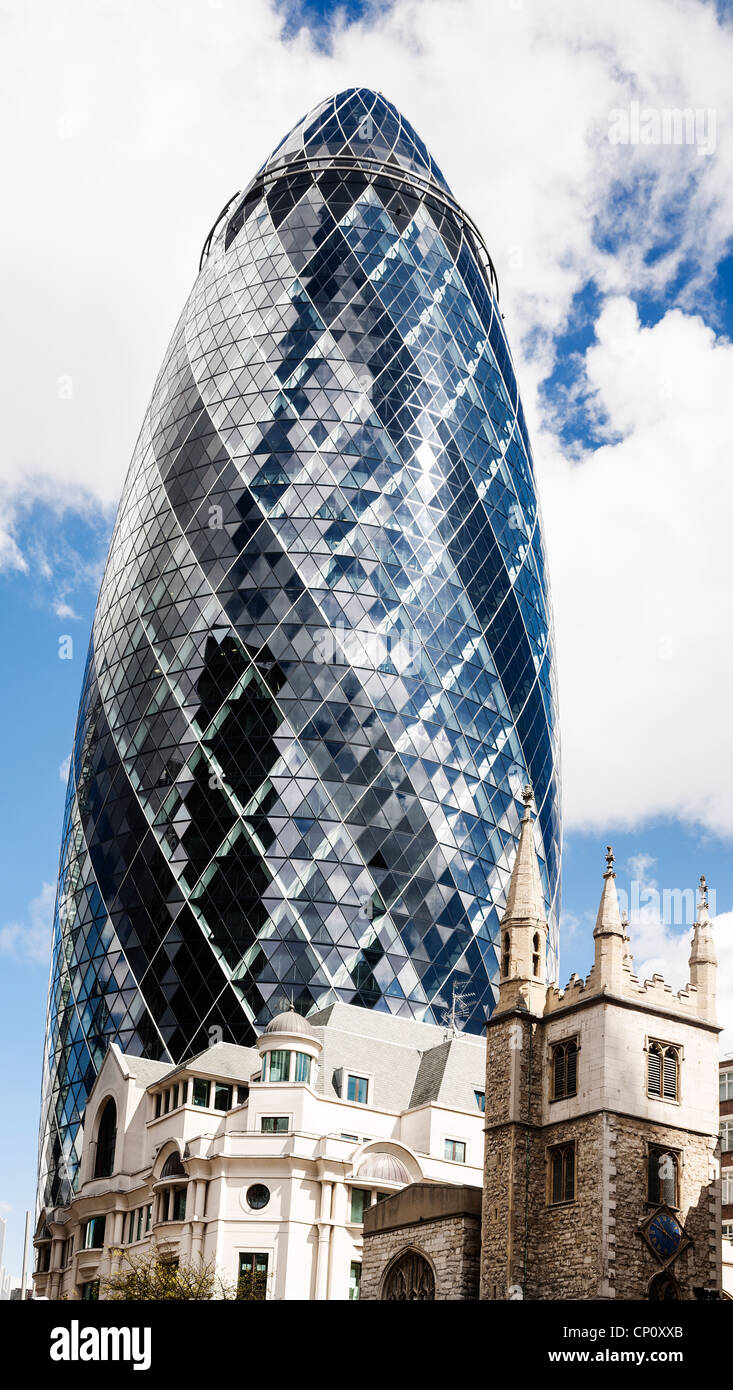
pixel 321 667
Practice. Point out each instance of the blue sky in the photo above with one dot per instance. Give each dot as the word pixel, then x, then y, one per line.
pixel 617 285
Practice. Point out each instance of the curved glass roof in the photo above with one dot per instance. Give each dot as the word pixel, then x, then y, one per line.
pixel 359 124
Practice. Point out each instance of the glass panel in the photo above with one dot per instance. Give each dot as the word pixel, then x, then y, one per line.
pixel 569 1175
pixel 222 1096
pixel 356 1089
pixel 302 1067
pixel 481 1101
pixel 200 1091
pixel 275 1124
pixel 354 1279
pixel 279 1067
pixel 252 1279
pixel 360 1200
pixel 179 1204
pixel 557 1176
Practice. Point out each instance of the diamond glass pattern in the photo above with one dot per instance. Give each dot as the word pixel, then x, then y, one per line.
pixel 321 668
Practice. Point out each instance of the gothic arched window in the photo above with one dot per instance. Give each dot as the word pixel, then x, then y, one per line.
pixel 410 1280
pixel 106 1141
pixel 536 955
pixel 565 1069
pixel 662 1176
pixel 663 1071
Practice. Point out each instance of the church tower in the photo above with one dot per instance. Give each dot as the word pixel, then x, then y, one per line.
pixel 601 1168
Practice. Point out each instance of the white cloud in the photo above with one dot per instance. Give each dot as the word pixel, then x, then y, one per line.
pixel 128 148
pixel 31 940
pixel 659 949
pixel 64 768
pixel 638 536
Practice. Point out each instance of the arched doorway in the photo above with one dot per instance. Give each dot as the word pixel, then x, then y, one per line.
pixel 664 1288
pixel 410 1279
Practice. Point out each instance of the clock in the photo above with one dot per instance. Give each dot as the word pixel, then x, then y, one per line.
pixel 664 1234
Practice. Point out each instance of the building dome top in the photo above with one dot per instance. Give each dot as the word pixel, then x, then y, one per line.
pixel 382 1167
pixel 357 124
pixel 290 1022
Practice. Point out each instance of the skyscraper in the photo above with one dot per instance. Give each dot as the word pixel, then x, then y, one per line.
pixel 321 668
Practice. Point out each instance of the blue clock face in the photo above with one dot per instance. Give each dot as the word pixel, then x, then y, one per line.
pixel 665 1235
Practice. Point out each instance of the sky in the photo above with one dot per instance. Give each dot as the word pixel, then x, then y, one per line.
pixel 128 124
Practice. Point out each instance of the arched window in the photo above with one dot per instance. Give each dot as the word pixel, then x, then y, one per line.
pixel 562 1174
pixel 410 1280
pixel 505 956
pixel 663 1071
pixel 173 1168
pixel 536 955
pixel 662 1176
pixel 106 1141
pixel 565 1069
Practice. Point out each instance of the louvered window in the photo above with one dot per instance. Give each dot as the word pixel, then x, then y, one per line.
pixel 565 1070
pixel 670 1074
pixel 572 1069
pixel 663 1071
pixel 654 1071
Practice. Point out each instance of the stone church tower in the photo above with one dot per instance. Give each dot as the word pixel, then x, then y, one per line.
pixel 601 1115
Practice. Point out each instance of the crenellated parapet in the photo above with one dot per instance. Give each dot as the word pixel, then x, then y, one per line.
pixel 612 971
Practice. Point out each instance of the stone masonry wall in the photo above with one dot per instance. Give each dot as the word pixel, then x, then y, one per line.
pixel 698 1210
pixel 451 1244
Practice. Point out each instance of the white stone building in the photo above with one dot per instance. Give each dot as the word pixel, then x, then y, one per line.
pixel 263 1160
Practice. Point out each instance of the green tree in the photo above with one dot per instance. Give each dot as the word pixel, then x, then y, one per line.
pixel 152 1277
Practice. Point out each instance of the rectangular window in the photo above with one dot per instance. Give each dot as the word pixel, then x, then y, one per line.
pixel 252 1277
pixel 727 1187
pixel 179 1204
pixel 158 1100
pixel 140 1215
pixel 357 1089
pixel 242 1095
pixel 275 1124
pixel 455 1150
pixel 200 1091
pixel 166 1102
pixel 360 1200
pixel 222 1096
pixel 726 1136
pixel 481 1101
pixel 131 1228
pixel 90 1291
pixel 562 1174
pixel 302 1067
pixel 354 1279
pixel 94 1233
pixel 728 1230
pixel 353 1137
pixel 279 1066
pixel 726 1085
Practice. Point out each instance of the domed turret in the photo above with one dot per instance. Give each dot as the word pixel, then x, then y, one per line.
pixel 290 1022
